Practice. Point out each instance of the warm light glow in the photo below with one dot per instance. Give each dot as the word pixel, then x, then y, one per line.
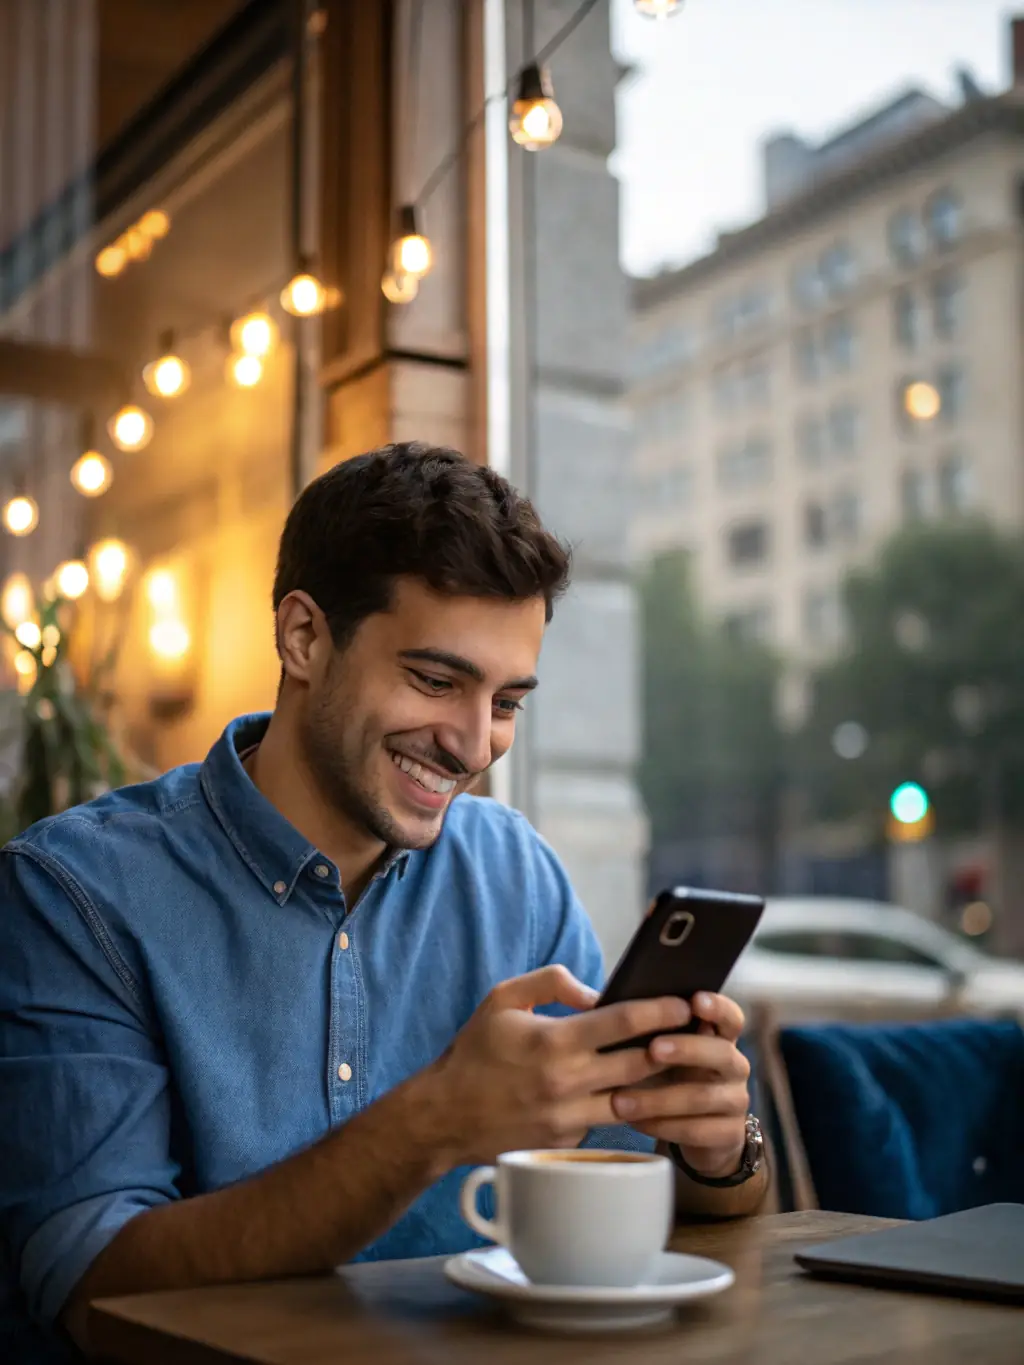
pixel 170 639
pixel 21 516
pixel 111 261
pixel 25 667
pixel 657 9
pixel 167 377
pixel 137 244
pixel 155 224
pixel 162 590
pixel 254 334
pixel 49 656
pixel 108 569
pixel 245 370
pixel 414 256
pixel 51 636
pixel 72 579
pixel 131 428
pixel 976 918
pixel 92 474
pixel 17 602
pixel 536 120
pixel 399 287
pixel 28 635
pixel 922 401
pixel 303 296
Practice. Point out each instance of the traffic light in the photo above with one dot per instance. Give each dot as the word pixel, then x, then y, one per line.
pixel 910 814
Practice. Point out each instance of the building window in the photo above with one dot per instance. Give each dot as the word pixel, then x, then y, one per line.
pixel 906 319
pixel 726 389
pixel 840 343
pixel 673 346
pixel 815 526
pixel 914 494
pixel 844 428
pixel 846 516
pixel 948 304
pixel 747 543
pixel 810 440
pixel 752 623
pixel 944 214
pixel 955 484
pixel 951 383
pixel 663 418
pixel 757 383
pixel 806 356
pixel 808 286
pixel 746 465
pixel 838 269
pixel 822 614
pixel 906 237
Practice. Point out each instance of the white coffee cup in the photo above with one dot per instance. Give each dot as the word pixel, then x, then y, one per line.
pixel 580 1217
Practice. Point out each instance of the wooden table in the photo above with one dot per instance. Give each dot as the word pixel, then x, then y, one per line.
pixel 406 1313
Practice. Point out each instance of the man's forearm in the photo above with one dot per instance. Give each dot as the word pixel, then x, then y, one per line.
pixel 309 1213
pixel 705 1201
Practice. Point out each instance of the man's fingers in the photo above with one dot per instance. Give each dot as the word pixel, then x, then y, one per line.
pixel 716 1054
pixel 630 1019
pixel 724 1015
pixel 686 1099
pixel 714 1134
pixel 546 986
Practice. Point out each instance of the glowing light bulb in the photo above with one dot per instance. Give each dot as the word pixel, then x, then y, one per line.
pixel 154 224
pixel 536 120
pixel 136 244
pixel 72 579
pixel 303 296
pixel 657 9
pixel 131 428
pixel 170 640
pixel 51 637
pixel 161 590
pixel 170 375
pixel 25 667
pixel 398 287
pixel 922 401
pixel 255 334
pixel 245 370
pixel 17 601
pixel 28 635
pixel 92 474
pixel 111 261
pixel 411 252
pixel 108 568
pixel 21 516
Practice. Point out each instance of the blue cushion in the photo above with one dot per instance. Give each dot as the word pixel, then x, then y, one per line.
pixel 912 1120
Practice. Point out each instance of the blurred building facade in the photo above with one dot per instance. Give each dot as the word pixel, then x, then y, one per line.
pixel 770 378
pixel 512 350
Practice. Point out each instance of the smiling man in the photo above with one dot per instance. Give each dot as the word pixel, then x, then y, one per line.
pixel 258 1016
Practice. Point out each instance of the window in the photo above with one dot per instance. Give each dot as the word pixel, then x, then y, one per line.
pixel 806 357
pixel 956 489
pixel 810 440
pixel 808 286
pixel 673 346
pixel 662 418
pixel 822 614
pixel 746 465
pixel 846 515
pixel 860 946
pixel 749 623
pixel 725 388
pixel 839 343
pixel 914 494
pixel 757 383
pixel 948 304
pixel 838 269
pixel 944 215
pixel 906 319
pixel 844 428
pixel 906 237
pixel 747 543
pixel 951 383
pixel 815 526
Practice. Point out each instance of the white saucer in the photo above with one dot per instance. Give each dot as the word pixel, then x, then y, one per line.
pixel 561 1308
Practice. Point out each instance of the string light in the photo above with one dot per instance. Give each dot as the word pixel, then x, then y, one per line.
pixel 170 640
pixel 536 120
pixel 303 296
pixel 131 428
pixel 111 261
pixel 411 252
pixel 169 376
pixel 245 370
pixel 17 602
pixel 255 334
pixel 28 635
pixel 922 401
pixel 21 516
pixel 398 287
pixel 26 669
pixel 72 579
pixel 162 590
pixel 155 224
pixel 137 244
pixel 92 474
pixel 657 9
pixel 108 568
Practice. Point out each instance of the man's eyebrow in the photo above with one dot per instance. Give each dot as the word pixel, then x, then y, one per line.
pixel 464 666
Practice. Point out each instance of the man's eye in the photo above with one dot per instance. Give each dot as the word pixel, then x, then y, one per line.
pixel 506 706
pixel 435 685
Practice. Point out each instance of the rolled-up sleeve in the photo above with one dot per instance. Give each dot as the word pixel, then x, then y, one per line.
pixel 84 1097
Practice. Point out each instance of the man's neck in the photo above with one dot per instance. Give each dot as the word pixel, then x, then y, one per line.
pixel 276 769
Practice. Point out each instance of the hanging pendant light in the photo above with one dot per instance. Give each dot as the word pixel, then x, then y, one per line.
pixel 411 252
pixel 536 120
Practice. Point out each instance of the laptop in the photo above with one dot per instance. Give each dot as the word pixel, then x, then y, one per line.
pixel 978 1253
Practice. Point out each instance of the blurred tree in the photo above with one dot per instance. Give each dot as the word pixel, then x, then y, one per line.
pixel 934 673
pixel 711 746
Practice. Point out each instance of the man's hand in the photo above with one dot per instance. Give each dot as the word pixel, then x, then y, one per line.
pixel 514 1079
pixel 700 1100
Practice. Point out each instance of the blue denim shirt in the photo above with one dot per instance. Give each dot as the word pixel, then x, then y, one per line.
pixel 184 1000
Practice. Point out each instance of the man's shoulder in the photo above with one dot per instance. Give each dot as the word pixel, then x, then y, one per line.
pixel 478 822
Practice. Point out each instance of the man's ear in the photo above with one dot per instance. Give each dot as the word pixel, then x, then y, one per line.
pixel 303 636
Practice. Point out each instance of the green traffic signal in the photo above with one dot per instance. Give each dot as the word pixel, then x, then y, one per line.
pixel 909 803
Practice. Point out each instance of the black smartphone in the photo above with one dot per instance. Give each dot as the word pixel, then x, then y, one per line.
pixel 688 941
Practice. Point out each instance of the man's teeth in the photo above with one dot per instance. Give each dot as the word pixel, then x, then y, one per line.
pixel 430 781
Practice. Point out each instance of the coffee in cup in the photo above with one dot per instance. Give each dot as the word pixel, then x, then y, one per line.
pixel 581 1217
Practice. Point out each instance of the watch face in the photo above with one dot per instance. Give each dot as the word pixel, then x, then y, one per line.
pixel 754 1153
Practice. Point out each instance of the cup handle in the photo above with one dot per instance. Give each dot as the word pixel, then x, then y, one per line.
pixel 471 1186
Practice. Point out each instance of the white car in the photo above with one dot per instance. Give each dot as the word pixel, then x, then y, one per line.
pixel 818 957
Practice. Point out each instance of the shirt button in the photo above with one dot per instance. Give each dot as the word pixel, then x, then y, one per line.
pixel 280 888
pixel 343 941
pixel 345 1072
pixel 322 870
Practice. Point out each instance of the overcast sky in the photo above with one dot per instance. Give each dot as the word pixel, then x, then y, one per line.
pixel 715 78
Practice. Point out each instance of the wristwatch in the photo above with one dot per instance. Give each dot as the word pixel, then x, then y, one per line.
pixel 750 1162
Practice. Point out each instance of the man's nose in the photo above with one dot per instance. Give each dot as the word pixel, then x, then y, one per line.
pixel 468 737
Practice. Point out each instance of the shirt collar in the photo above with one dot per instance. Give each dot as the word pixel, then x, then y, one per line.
pixel 267 843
